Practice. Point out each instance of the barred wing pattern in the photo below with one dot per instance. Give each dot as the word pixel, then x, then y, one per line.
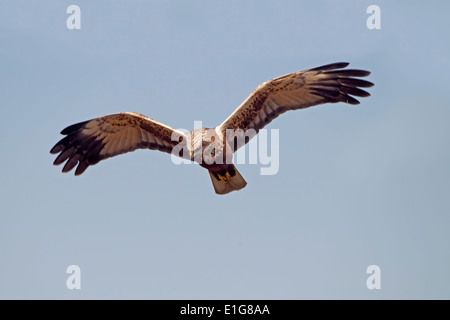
pixel 298 90
pixel 86 143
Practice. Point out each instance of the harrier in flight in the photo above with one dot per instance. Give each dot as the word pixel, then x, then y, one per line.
pixel 86 143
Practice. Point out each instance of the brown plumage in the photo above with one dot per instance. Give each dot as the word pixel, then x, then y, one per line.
pixel 298 90
pixel 86 143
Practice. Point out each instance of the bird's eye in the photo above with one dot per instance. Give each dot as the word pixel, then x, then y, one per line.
pixel 213 138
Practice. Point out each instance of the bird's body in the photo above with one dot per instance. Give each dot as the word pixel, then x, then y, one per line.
pixel 89 142
pixel 212 151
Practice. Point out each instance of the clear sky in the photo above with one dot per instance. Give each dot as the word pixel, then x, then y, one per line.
pixel 357 185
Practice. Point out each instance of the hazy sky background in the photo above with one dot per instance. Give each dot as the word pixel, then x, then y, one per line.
pixel 357 185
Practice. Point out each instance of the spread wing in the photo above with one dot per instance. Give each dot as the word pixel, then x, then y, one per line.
pixel 298 90
pixel 86 143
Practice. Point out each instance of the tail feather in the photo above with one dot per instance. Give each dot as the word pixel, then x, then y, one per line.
pixel 225 182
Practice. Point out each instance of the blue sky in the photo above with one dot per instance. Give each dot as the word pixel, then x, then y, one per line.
pixel 357 186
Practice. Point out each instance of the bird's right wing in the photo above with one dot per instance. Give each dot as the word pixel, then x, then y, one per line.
pixel 298 90
pixel 86 143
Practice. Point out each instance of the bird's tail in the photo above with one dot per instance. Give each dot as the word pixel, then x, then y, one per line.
pixel 225 181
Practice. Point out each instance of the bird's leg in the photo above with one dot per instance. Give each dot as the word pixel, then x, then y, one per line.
pixel 225 177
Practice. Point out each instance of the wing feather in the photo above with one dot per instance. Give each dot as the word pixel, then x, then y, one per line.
pixel 88 142
pixel 298 90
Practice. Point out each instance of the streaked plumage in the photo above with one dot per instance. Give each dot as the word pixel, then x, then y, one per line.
pixel 86 143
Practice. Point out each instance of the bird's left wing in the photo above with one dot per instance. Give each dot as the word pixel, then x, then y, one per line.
pixel 303 89
pixel 86 143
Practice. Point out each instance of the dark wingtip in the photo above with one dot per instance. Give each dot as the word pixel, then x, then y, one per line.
pixel 72 162
pixel 340 85
pixel 350 100
pixel 67 153
pixel 82 166
pixel 354 91
pixel 331 66
pixel 353 82
pixel 57 148
pixel 73 127
pixel 351 73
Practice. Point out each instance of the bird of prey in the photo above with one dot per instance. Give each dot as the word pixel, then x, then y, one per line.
pixel 86 143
